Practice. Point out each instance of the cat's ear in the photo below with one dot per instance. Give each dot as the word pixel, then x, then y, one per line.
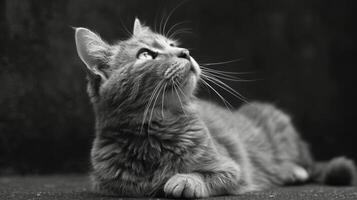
pixel 92 50
pixel 138 28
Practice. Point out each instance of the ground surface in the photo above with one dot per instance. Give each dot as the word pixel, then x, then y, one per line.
pixel 78 187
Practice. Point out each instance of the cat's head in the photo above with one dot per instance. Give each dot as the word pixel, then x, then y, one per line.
pixel 144 69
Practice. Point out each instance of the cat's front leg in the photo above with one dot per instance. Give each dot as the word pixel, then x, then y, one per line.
pixel 218 178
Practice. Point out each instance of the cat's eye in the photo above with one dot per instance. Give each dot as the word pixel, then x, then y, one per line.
pixel 172 44
pixel 146 54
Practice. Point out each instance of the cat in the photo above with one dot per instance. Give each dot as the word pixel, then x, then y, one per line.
pixel 154 137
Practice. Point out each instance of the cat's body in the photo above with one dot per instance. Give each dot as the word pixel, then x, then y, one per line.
pixel 213 140
pixel 182 146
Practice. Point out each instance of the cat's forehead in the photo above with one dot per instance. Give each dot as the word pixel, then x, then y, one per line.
pixel 155 40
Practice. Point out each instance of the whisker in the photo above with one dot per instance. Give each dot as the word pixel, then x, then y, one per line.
pixel 178 96
pixel 161 23
pixel 219 73
pixel 169 15
pixel 180 89
pixel 148 105
pixel 201 83
pixel 226 88
pixel 226 72
pixel 224 62
pixel 222 76
pixel 178 31
pixel 177 24
pixel 157 16
pixel 227 77
pixel 226 103
pixel 155 23
pixel 162 101
pixel 186 30
pixel 153 107
pixel 125 28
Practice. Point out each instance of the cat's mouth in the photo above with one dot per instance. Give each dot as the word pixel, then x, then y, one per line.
pixel 191 77
pixel 183 75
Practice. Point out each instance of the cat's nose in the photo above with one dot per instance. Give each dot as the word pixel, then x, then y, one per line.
pixel 184 53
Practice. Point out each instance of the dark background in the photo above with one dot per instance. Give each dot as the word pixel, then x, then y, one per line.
pixel 304 50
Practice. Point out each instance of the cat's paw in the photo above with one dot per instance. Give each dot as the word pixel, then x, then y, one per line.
pixel 186 185
pixel 300 174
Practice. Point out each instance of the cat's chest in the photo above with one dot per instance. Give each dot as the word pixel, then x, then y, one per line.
pixel 144 157
pixel 154 152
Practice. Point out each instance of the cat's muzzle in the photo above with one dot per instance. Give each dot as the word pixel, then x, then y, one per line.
pixel 177 69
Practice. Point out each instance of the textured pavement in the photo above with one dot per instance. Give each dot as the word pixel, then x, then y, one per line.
pixel 78 187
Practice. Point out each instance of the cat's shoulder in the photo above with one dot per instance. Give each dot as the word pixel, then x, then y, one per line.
pixel 202 105
pixel 261 110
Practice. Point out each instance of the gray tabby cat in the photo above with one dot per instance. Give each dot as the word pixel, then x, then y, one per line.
pixel 154 137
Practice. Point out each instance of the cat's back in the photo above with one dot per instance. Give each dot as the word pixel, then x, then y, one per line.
pixel 226 127
pixel 258 129
pixel 222 122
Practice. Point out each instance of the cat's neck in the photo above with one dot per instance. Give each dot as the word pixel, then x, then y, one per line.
pixel 157 121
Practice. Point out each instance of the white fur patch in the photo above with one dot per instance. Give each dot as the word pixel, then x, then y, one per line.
pixel 300 173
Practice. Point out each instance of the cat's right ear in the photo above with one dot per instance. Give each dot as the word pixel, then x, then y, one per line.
pixel 137 27
pixel 92 50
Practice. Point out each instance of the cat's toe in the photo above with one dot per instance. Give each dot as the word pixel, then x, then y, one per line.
pixel 186 185
pixel 300 174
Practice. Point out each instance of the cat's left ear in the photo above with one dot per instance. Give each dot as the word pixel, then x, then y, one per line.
pixel 92 50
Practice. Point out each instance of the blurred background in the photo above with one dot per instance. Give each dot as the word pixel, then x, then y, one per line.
pixel 302 50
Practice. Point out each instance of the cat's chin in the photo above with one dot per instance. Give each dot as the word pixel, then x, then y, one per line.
pixel 192 77
pixel 191 83
pixel 195 68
